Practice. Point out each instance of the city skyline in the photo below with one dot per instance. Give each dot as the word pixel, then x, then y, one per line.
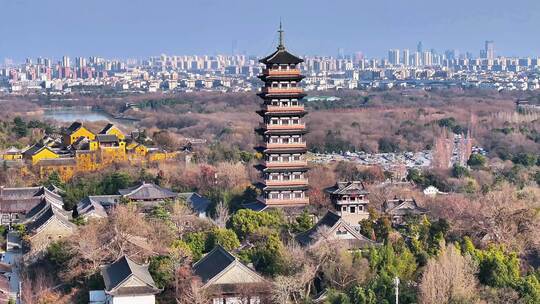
pixel 136 29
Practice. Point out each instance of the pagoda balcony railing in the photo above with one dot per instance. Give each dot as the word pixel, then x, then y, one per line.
pixel 283 109
pixel 282 127
pixel 290 201
pixel 269 90
pixel 292 182
pixel 274 164
pixel 349 202
pixel 274 72
pixel 284 146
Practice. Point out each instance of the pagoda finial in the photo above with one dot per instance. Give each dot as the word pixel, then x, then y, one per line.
pixel 281 46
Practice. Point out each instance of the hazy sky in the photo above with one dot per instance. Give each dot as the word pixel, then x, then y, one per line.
pixel 139 28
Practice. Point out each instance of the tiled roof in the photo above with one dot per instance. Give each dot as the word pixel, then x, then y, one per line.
pixel 34 149
pixel 329 222
pixel 88 205
pixel 23 200
pixel 106 128
pixel 213 263
pixel 118 272
pixel 403 207
pixel 281 56
pixel 344 188
pixel 147 191
pixel 74 127
pixel 42 214
pixel 197 202
pixel 105 138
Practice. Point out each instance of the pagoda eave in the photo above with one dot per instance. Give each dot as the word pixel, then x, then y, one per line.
pixel 264 95
pixel 263 131
pixel 264 113
pixel 264 77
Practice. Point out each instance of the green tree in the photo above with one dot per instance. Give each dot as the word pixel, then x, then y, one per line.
pixel 303 222
pixel 224 237
pixel 115 181
pixel 54 180
pixel 196 241
pixel 360 295
pixel 529 289
pixel 160 212
pixel 59 253
pixel 459 171
pixel 525 159
pixel 161 268
pixel 336 297
pixel 388 145
pixel 20 128
pixel 246 221
pixel 267 253
pixel 415 175
pixel 477 160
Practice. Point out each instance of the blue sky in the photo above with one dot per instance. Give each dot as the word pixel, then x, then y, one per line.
pixel 140 28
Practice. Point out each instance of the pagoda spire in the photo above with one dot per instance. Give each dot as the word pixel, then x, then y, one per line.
pixel 281 45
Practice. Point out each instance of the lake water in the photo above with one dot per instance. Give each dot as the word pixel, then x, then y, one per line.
pixel 83 114
pixel 70 115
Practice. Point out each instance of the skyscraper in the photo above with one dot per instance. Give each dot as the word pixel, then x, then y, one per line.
pixel 406 57
pixel 420 47
pixel 283 145
pixel 393 57
pixel 65 61
pixel 489 49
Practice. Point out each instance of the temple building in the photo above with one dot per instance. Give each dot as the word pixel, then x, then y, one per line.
pixel 350 200
pixel 283 146
pixel 398 209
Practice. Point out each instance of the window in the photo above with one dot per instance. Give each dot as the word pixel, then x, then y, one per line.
pixel 274 158
pixel 298 194
pixel 274 195
pixel 344 208
pixel 286 195
pixel 296 121
pixel 352 209
pixel 360 207
pixel 284 121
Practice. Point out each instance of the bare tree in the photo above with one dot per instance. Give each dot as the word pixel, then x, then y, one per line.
pixel 449 278
pixel 222 215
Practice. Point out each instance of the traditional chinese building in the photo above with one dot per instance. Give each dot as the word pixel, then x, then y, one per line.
pixel 283 146
pixel 350 200
pixel 398 209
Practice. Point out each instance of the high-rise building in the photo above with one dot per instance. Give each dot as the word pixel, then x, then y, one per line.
pixel 283 145
pixel 417 61
pixel 65 61
pixel 427 58
pixel 420 47
pixel 80 62
pixel 393 57
pixel 489 50
pixel 406 57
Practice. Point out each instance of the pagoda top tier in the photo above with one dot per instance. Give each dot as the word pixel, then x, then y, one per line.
pixel 281 55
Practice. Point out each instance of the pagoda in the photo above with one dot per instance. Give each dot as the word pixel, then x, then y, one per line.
pixel 283 145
